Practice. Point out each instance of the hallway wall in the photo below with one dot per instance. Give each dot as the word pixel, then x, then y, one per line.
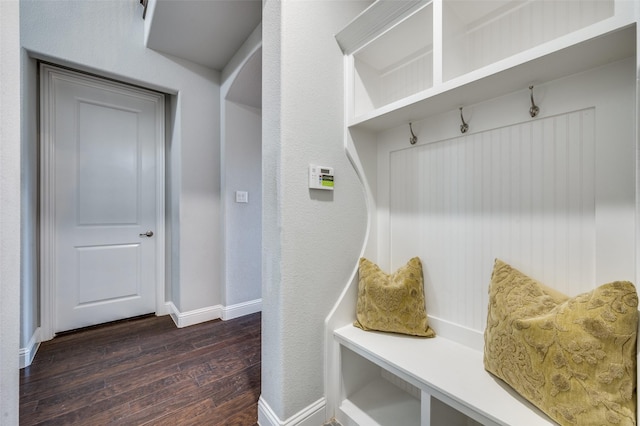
pixel 311 238
pixel 243 221
pixel 9 210
pixel 241 148
pixel 107 38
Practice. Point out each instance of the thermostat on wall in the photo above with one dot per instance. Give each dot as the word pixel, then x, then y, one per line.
pixel 321 177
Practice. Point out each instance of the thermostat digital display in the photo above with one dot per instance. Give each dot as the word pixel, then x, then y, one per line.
pixel 321 177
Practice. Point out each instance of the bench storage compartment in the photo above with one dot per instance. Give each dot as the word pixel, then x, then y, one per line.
pixel 454 388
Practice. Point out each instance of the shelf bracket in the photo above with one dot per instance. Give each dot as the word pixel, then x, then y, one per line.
pixel 413 139
pixel 534 110
pixel 464 126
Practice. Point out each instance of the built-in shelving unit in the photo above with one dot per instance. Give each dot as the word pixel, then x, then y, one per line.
pixel 448 53
pixel 419 61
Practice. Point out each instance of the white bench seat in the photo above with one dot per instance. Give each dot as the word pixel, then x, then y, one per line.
pixel 442 369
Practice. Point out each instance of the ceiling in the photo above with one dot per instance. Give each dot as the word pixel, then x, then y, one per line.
pixel 207 32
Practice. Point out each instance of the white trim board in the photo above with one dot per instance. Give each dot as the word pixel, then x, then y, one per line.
pixel 241 309
pixel 28 353
pixel 197 316
pixel 312 415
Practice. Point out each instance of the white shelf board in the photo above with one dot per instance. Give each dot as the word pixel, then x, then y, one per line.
pixel 382 403
pixel 541 64
pixel 449 371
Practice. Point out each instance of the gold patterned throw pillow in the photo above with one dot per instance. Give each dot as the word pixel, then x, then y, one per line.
pixel 574 358
pixel 393 303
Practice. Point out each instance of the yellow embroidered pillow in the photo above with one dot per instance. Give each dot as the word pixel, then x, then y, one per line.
pixel 393 303
pixel 574 358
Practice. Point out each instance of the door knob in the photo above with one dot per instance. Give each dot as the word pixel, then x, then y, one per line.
pixel 147 234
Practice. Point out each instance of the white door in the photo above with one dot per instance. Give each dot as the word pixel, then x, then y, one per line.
pixel 102 186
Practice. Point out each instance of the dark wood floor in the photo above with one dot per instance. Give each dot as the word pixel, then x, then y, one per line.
pixel 146 372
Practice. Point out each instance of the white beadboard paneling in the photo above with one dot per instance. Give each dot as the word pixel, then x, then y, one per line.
pixel 475 41
pixel 523 193
pixel 411 77
pixel 554 196
pixel 375 88
pixel 397 381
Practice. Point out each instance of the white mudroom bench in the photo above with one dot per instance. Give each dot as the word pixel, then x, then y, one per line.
pixel 460 194
pixel 409 380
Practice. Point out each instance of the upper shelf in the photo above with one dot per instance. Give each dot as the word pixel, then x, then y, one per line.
pixel 395 65
pixel 476 34
pixel 450 53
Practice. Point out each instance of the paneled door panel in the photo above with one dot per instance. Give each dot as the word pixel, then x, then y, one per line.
pixel 104 199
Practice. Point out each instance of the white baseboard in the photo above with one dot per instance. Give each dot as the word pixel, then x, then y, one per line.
pixel 313 415
pixel 185 319
pixel 27 354
pixel 241 309
pixel 197 316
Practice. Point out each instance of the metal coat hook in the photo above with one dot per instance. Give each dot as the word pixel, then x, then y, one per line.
pixel 534 110
pixel 464 126
pixel 144 4
pixel 413 139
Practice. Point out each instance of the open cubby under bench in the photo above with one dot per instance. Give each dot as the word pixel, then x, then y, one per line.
pixel 423 381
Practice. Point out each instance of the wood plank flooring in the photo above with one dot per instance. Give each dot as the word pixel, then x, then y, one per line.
pixel 146 372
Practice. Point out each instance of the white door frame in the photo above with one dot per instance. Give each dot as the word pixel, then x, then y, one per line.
pixel 47 200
